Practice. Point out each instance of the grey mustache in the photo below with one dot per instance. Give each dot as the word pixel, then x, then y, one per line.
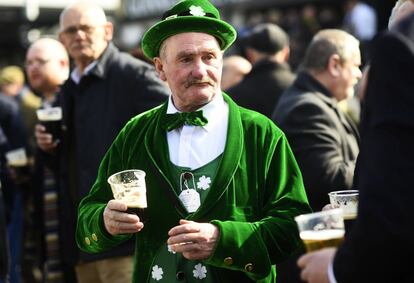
pixel 193 82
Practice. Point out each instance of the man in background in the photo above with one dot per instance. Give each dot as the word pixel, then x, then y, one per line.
pixel 15 91
pixel 47 68
pixel 323 139
pixel 267 49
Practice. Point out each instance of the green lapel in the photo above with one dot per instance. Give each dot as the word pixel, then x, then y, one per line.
pixel 157 148
pixel 229 162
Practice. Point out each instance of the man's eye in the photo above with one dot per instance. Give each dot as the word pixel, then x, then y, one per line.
pixel 209 57
pixel 185 60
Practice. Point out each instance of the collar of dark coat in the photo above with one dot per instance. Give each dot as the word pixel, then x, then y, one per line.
pixel 108 56
pixel 308 83
pixel 266 64
pixel 157 148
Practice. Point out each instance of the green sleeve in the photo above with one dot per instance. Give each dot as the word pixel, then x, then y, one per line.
pixel 253 248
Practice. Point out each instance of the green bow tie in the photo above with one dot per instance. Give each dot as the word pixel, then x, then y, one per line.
pixel 176 120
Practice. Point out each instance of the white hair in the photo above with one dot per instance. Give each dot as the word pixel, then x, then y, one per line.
pixel 83 7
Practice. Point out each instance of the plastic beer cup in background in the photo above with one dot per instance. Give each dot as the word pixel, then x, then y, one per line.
pixel 19 163
pixel 347 200
pixel 321 229
pixel 51 119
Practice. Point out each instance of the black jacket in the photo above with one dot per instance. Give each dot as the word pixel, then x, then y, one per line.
pixel 324 141
pixel 94 111
pixel 377 247
pixel 261 88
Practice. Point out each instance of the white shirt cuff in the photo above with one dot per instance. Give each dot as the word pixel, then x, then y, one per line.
pixel 331 274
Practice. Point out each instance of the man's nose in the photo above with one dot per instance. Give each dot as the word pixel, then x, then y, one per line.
pixel 199 69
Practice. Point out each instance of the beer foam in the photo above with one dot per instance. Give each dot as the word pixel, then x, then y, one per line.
pixel 17 157
pixel 49 114
pixel 322 234
pixel 350 216
pixel 17 163
pixel 131 194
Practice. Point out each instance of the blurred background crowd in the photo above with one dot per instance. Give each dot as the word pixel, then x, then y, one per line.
pixel 22 22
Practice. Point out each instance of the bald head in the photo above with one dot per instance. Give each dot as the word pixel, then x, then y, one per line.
pixel 85 32
pixel 49 46
pixel 85 9
pixel 333 58
pixel 47 65
pixel 235 67
pixel 326 43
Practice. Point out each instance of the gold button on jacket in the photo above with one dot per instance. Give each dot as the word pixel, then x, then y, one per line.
pixel 228 261
pixel 248 267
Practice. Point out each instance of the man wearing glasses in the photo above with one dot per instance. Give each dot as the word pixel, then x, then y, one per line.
pixel 105 89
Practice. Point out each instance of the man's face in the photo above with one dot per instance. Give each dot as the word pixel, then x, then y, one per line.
pixel 44 71
pixel 349 76
pixel 84 37
pixel 191 63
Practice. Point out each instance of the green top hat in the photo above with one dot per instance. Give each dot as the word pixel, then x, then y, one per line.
pixel 188 16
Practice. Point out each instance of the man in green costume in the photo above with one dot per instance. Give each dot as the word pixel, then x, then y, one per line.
pixel 222 183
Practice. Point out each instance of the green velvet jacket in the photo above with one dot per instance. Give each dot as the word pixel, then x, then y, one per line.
pixel 257 192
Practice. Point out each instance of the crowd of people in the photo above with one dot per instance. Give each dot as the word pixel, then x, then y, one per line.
pixel 233 147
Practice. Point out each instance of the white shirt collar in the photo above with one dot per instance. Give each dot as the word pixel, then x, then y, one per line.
pixel 212 110
pixel 76 76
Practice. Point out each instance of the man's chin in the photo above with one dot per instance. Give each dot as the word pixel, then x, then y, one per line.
pixel 80 50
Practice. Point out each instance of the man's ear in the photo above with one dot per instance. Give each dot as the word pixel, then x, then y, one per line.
pixel 159 68
pixel 334 65
pixel 109 31
pixel 61 38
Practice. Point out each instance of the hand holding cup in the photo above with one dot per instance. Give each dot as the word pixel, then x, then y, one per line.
pixel 51 119
pixel 117 221
pixel 129 187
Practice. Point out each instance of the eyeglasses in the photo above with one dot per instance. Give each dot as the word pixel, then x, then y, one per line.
pixel 36 63
pixel 72 30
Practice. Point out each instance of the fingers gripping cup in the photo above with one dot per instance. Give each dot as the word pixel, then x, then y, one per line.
pixel 321 229
pixel 129 187
pixel 51 119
